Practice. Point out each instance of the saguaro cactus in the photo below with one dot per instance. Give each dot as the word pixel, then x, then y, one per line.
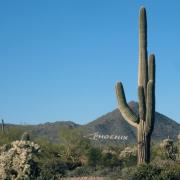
pixel 144 122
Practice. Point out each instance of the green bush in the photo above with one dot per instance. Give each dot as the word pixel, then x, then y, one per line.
pixel 52 169
pixel 110 160
pixel 143 172
pixel 12 134
pixel 94 156
pixel 169 174
pixel 80 171
pixel 147 172
pixel 167 170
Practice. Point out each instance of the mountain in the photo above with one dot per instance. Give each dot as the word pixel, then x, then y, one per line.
pixel 113 123
pixel 50 131
pixel 110 124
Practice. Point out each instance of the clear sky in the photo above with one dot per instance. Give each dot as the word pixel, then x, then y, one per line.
pixel 60 59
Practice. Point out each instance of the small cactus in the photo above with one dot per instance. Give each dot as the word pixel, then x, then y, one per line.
pixel 167 146
pixel 144 122
pixel 17 160
pixel 25 137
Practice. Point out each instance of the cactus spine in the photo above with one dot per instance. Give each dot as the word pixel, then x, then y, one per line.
pixel 144 122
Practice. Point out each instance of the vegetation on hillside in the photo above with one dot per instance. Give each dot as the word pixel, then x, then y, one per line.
pixel 77 156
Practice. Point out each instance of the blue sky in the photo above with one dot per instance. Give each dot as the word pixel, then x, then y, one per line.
pixel 60 60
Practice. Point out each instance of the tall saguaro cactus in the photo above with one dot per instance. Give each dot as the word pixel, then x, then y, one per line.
pixel 144 122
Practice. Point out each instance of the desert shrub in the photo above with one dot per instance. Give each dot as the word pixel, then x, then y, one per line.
pixel 128 156
pixel 50 163
pixel 157 152
pixel 52 169
pixel 158 170
pixel 109 173
pixel 81 171
pixel 147 172
pixel 4 139
pixel 94 156
pixel 112 173
pixel 169 174
pixel 74 147
pixel 110 160
pixel 11 134
pixel 142 172
pixel 55 160
pixel 169 169
pixel 168 149
pixel 48 150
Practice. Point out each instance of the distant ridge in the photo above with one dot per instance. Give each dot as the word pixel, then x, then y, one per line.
pixel 111 123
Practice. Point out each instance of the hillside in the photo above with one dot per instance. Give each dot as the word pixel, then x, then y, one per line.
pixel 111 123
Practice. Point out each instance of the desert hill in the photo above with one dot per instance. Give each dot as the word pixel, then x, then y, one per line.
pixel 111 123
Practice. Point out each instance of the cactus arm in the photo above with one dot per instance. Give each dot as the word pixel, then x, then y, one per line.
pixel 143 66
pixel 143 28
pixel 126 112
pixel 152 68
pixel 150 113
pixel 142 103
pixel 150 106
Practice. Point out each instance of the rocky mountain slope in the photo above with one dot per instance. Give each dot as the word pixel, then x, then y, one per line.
pixel 113 123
